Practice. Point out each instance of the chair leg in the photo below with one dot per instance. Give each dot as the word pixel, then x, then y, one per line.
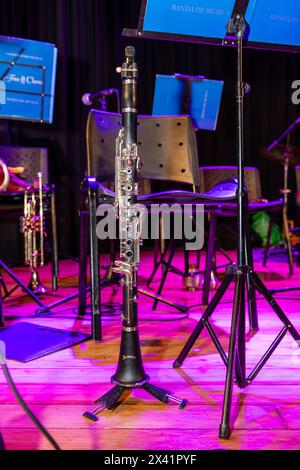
pixel 94 262
pixel 288 240
pixel 267 247
pixel 298 255
pixel 1 308
pixel 198 259
pixel 209 259
pixel 158 264
pixel 186 255
pixel 165 271
pixel 83 262
pixel 83 256
pixel 251 291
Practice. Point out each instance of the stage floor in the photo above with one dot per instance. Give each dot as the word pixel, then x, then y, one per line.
pixel 62 386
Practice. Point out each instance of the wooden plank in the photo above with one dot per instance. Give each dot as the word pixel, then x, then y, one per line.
pixel 86 393
pixel 61 386
pixel 202 375
pixel 143 416
pixel 145 439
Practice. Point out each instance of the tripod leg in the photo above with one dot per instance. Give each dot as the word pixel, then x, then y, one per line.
pixel 202 322
pixel 240 365
pixel 164 395
pixel 109 401
pixel 165 271
pixel 21 284
pixel 4 287
pixel 276 308
pixel 224 430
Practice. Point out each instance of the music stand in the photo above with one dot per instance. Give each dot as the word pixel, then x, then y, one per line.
pixel 196 96
pixel 27 87
pixel 162 19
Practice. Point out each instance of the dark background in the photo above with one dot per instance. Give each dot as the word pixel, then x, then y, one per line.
pixel 88 36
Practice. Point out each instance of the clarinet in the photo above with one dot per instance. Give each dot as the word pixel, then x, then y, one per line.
pixel 130 370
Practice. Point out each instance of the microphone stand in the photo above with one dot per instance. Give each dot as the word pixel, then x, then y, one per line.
pixel 241 274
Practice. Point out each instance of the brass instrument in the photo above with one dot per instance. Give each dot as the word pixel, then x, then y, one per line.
pixel 32 226
pixel 6 176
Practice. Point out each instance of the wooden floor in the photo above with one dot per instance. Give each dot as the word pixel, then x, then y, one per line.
pixel 63 385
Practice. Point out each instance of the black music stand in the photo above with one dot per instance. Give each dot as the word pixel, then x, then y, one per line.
pixel 27 84
pixel 242 273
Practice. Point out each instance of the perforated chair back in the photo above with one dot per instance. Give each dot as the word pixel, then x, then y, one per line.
pixel 212 175
pixel 33 159
pixel 166 144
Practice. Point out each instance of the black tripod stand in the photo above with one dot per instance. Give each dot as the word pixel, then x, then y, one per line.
pixel 19 284
pixel 240 273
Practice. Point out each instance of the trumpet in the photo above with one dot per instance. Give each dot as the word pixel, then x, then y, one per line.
pixel 33 228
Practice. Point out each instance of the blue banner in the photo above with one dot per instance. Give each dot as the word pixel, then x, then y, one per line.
pixel 206 18
pixel 270 21
pixel 27 79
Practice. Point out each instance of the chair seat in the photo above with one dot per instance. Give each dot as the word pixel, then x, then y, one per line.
pixel 222 192
pixel 230 209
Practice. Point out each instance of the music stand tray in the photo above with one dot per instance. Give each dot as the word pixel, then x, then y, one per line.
pixel 203 99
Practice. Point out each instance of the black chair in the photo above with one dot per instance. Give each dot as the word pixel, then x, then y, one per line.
pixel 212 175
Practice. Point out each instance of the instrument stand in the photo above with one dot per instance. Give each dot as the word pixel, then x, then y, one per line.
pixel 240 274
pixel 19 284
pixel 130 373
pixel 110 399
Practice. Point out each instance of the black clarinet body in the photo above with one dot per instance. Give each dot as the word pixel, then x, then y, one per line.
pixel 130 371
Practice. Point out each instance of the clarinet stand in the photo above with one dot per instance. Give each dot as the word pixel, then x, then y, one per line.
pixel 240 274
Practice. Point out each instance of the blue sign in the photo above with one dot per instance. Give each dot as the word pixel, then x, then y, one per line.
pixel 193 17
pixel 27 79
pixel 274 22
pixel 205 99
pixel 270 21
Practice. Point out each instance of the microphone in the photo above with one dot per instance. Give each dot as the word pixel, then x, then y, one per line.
pixel 89 98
